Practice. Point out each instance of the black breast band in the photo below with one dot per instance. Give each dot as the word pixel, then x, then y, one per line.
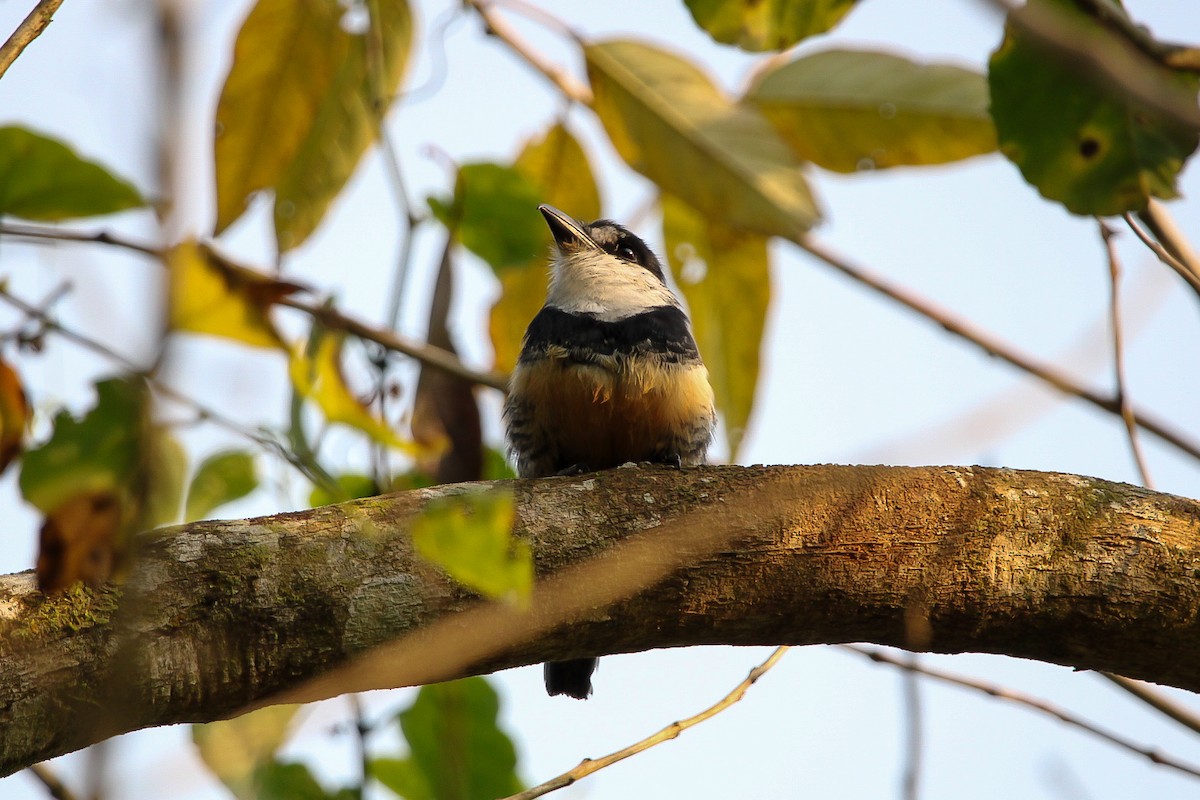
pixel 661 331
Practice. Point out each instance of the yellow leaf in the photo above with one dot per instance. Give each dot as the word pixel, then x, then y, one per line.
pixel 559 167
pixel 235 748
pixel 78 541
pixel 345 124
pixel 14 415
pixel 211 295
pixel 284 61
pixel 319 377
pixel 522 294
pixel 723 273
pixel 851 110
pixel 672 124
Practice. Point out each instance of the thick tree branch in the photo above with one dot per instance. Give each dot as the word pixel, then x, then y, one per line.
pixel 218 616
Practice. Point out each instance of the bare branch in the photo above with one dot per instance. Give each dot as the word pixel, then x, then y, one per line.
pixel 435 357
pixel 1164 255
pixel 672 731
pixel 566 83
pixel 29 29
pixel 1003 693
pixel 993 346
pixel 1157 700
pixel 1131 428
pixel 54 786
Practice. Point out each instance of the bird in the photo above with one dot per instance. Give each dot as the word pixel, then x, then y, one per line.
pixel 608 373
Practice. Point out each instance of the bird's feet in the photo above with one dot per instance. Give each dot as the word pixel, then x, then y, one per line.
pixel 574 469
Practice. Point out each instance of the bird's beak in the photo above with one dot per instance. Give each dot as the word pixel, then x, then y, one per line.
pixel 569 234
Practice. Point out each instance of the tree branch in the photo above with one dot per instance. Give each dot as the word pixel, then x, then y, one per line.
pixel 217 617
pixel 29 29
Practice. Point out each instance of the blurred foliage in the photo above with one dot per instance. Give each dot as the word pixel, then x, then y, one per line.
pixel 1078 138
pixel 723 274
pixel 309 86
pixel 222 478
pixel 457 749
pixel 558 167
pixel 669 122
pixel 14 415
pixel 493 214
pixel 98 479
pixel 469 535
pixel 301 105
pixel 43 179
pixel 771 25
pixel 849 110
pixel 212 295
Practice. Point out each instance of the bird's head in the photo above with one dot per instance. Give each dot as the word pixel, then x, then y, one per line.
pixel 602 269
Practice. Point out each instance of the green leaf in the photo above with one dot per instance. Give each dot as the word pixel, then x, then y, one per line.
pixel 847 110
pixel 236 749
pixel 496 466
pixel 279 781
pixel 670 123
pixel 98 453
pixel 714 263
pixel 297 109
pixel 44 179
pixel 494 214
pixel 404 777
pixel 1078 138
pixel 456 743
pixel 771 25
pixel 470 537
pixel 164 472
pixel 559 168
pixel 351 486
pixel 222 478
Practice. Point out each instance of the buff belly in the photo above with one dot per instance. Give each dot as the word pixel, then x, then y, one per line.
pixel 605 416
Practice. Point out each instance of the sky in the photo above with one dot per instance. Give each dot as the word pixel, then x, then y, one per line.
pixel 848 377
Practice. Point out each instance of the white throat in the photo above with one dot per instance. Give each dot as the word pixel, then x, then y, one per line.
pixel 594 282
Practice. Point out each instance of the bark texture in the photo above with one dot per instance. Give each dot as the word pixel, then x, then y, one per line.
pixel 216 617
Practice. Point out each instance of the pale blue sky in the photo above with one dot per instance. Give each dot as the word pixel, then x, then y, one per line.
pixel 847 377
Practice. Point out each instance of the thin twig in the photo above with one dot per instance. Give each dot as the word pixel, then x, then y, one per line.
pixel 83 237
pixel 436 357
pixel 1165 256
pixel 1156 700
pixel 57 789
pixel 1003 693
pixel 566 83
pixel 672 731
pixel 538 15
pixel 204 412
pixel 993 346
pixel 361 729
pixel 1164 228
pixel 29 29
pixel 1114 274
pixel 911 785
pixel 433 356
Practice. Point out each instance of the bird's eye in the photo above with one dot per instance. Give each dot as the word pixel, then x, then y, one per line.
pixel 627 253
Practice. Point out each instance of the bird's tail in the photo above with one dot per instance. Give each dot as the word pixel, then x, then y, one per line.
pixel 572 678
